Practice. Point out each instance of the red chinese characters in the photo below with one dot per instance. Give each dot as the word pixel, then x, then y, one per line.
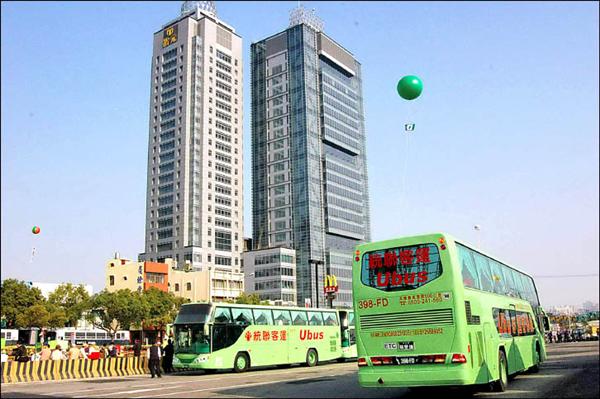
pixel 257 336
pixel 375 261
pixel 423 255
pixel 390 259
pixel 406 257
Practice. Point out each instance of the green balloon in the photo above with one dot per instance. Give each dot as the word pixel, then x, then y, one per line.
pixel 410 87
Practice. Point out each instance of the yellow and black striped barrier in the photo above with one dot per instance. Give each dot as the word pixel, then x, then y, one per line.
pixel 73 369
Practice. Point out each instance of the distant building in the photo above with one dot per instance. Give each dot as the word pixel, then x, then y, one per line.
pixel 136 276
pixel 196 285
pixel 309 165
pixel 271 273
pixel 589 306
pixel 194 200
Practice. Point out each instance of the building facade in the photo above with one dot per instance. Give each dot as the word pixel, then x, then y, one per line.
pixel 194 203
pixel 196 285
pixel 271 273
pixel 309 171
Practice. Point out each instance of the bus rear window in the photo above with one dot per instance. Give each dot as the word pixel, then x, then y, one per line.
pixel 401 268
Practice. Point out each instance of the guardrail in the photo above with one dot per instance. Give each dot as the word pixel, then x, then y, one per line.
pixel 73 369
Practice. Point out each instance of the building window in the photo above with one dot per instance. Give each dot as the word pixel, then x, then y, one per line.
pixel 176 286
pixel 112 280
pixel 188 286
pixel 157 278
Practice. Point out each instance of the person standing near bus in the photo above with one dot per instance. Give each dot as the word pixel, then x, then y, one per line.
pixel 154 354
pixel 73 352
pixel 137 348
pixel 168 358
pixel 45 353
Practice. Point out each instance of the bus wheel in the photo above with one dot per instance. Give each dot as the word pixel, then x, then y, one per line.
pixel 536 365
pixel 241 362
pixel 502 382
pixel 312 358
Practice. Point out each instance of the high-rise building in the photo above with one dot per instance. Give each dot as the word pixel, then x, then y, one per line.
pixel 309 171
pixel 194 203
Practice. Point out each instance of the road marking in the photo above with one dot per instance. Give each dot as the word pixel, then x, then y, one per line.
pixel 312 374
pixel 235 386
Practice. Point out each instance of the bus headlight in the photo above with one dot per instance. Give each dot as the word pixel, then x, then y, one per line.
pixel 176 360
pixel 200 359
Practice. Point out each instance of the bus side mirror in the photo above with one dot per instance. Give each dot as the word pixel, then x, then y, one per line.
pixel 546 324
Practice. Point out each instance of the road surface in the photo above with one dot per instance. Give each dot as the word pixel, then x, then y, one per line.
pixel 571 371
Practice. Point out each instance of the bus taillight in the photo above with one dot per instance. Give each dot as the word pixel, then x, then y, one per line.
pixel 459 358
pixel 362 362
pixel 433 359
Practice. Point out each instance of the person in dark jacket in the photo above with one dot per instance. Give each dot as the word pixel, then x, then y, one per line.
pixel 137 348
pixel 20 353
pixel 168 358
pixel 154 354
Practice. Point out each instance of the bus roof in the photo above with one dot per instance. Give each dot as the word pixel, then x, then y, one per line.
pixel 431 237
pixel 244 305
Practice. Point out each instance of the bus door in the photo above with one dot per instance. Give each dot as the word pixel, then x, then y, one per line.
pixel 511 348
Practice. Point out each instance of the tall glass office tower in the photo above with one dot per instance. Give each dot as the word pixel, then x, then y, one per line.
pixel 194 204
pixel 309 171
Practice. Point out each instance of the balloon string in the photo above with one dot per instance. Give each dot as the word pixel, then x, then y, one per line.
pixel 404 190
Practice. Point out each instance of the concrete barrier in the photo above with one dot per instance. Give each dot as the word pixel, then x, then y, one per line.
pixel 73 369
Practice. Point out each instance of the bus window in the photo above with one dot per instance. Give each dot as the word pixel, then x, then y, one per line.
pixel 262 317
pixel 499 284
pixel 299 318
pixel 483 269
pixel 222 315
pixel 509 282
pixel 330 319
pixel 469 271
pixel 351 319
pixel 315 319
pixel 282 317
pixel 513 322
pixel 242 316
pixel 401 268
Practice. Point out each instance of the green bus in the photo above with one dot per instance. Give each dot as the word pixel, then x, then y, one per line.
pixel 214 336
pixel 431 311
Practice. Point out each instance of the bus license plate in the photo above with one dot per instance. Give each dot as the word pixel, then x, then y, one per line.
pixel 408 360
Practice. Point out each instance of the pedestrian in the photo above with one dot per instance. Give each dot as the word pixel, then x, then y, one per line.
pixel 73 353
pixel 20 353
pixel 3 356
pixel 57 354
pixel 45 353
pixel 154 356
pixel 168 358
pixel 84 351
pixel 36 356
pixel 112 350
pixel 103 352
pixel 137 348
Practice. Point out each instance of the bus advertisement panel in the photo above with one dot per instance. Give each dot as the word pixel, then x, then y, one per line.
pixel 432 311
pixel 224 336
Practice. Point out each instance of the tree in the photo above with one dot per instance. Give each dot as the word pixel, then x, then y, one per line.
pixel 119 310
pixel 16 298
pixel 162 308
pixel 72 299
pixel 34 316
pixel 250 299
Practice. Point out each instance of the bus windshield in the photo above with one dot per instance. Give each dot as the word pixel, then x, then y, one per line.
pixel 190 338
pixel 193 313
pixel 401 268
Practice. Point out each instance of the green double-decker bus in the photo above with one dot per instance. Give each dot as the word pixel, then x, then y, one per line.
pixel 214 336
pixel 431 311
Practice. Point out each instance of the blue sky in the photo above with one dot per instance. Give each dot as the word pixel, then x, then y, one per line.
pixel 506 128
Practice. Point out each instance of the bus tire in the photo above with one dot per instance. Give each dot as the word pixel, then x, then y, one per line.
pixel 312 357
pixel 241 362
pixel 502 382
pixel 536 366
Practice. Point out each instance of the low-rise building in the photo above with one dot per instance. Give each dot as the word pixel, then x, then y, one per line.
pixel 197 285
pixel 271 273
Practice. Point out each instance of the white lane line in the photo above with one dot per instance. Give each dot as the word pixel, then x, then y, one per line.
pixel 267 372
pixel 233 386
